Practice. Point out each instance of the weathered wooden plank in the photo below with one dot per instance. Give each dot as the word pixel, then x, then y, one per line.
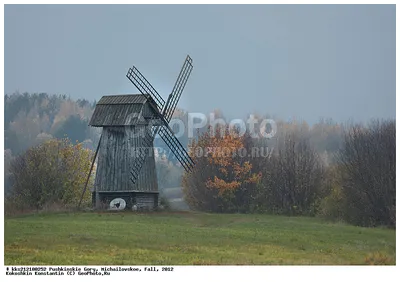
pixel 116 154
pixel 145 200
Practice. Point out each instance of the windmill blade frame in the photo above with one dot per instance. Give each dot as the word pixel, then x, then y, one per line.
pixel 165 111
pixel 176 93
pixel 166 133
pixel 140 157
pixel 177 148
pixel 144 86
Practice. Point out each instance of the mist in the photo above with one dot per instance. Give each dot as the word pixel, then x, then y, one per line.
pixel 290 61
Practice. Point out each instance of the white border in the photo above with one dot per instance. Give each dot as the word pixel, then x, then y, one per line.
pixel 218 273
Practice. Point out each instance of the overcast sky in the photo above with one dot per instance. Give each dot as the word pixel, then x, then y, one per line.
pixel 287 60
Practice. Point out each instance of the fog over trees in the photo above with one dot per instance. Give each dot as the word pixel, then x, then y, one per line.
pixel 337 171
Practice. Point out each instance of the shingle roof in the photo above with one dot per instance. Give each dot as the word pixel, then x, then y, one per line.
pixel 115 115
pixel 121 110
pixel 122 99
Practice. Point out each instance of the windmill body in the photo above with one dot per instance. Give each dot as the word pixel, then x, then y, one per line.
pixel 125 121
pixel 126 174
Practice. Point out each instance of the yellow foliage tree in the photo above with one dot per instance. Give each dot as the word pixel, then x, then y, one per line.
pixel 53 172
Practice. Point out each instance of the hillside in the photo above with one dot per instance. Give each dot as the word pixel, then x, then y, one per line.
pixel 185 238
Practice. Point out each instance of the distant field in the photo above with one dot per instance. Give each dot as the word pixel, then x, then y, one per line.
pixel 185 238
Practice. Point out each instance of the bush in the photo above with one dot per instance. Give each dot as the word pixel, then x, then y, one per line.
pixel 52 173
pixel 164 203
pixel 332 201
pixel 332 207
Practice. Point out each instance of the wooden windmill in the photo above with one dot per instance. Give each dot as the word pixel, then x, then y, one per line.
pixel 126 174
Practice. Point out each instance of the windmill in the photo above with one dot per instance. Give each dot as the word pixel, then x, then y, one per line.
pixel 126 175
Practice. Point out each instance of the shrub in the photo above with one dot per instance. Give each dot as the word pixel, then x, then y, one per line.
pixel 332 207
pixel 53 172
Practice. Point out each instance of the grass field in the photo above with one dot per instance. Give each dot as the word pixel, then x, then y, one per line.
pixel 187 238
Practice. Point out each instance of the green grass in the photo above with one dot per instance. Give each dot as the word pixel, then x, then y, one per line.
pixel 190 238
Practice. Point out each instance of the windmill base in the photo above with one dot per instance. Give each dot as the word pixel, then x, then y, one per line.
pixel 139 201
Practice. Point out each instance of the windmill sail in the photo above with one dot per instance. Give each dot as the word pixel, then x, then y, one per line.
pixel 141 83
pixel 176 147
pixel 173 144
pixel 167 110
pixel 141 152
pixel 176 93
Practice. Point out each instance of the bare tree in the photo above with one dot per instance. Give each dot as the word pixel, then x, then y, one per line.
pixel 293 175
pixel 368 173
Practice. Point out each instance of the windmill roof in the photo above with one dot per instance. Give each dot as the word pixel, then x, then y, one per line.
pixel 122 110
pixel 122 99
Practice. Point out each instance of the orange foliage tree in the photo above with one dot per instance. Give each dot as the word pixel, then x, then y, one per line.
pixel 223 179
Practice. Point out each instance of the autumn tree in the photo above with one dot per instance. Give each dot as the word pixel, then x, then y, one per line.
pixel 52 172
pixel 29 117
pixel 73 127
pixel 26 127
pixel 222 179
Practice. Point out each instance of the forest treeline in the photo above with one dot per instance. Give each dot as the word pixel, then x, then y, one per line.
pixel 31 119
pixel 355 182
pixel 339 171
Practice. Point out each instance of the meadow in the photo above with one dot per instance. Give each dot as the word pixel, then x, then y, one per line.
pixel 189 238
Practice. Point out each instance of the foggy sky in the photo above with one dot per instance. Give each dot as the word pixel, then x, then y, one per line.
pixel 303 61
